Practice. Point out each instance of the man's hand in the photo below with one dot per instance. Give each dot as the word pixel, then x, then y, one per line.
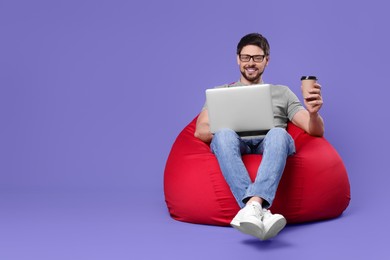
pixel 309 119
pixel 312 98
pixel 203 133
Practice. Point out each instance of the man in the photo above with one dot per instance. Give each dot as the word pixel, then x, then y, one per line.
pixel 254 218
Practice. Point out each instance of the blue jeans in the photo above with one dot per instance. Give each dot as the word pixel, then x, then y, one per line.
pixel 275 147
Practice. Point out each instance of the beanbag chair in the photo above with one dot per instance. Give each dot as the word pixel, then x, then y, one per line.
pixel 314 185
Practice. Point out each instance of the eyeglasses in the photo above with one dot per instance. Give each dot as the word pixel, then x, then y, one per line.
pixel 256 58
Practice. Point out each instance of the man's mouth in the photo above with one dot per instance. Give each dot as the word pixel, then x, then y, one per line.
pixel 251 69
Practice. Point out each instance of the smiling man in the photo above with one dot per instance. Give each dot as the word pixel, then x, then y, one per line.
pixel 254 198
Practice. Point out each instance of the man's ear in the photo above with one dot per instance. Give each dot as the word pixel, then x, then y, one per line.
pixel 267 58
pixel 238 59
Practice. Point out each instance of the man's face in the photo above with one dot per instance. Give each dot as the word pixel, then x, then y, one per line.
pixel 252 69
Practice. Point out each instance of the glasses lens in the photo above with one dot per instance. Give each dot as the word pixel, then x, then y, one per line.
pixel 258 58
pixel 245 57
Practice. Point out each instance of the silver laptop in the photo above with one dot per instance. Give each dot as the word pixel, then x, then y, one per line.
pixel 245 109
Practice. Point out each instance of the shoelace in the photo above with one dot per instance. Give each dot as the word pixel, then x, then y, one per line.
pixel 257 210
pixel 265 213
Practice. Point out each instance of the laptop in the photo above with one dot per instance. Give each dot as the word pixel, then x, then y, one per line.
pixel 245 109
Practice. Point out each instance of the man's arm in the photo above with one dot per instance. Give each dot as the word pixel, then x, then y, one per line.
pixel 312 123
pixel 202 130
pixel 309 119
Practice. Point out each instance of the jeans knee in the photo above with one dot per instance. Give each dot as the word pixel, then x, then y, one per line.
pixel 278 132
pixel 225 134
pixel 281 137
pixel 224 137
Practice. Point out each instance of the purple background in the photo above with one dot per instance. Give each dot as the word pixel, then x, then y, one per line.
pixel 94 93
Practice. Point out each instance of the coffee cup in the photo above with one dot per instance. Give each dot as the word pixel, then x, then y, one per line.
pixel 307 84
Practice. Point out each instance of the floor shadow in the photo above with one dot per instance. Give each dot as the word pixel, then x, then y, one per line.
pixel 272 244
pixel 280 241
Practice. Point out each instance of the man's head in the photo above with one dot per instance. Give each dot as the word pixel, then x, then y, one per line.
pixel 252 57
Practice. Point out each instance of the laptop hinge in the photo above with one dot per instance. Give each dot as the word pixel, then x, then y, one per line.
pixel 252 133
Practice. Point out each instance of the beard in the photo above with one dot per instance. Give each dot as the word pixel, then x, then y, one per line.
pixel 252 77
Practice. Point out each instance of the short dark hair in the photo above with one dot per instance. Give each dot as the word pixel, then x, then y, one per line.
pixel 254 39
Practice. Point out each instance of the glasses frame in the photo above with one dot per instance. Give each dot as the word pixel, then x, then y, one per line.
pixel 253 57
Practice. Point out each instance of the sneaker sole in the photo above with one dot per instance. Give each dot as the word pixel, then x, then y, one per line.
pixel 250 229
pixel 235 223
pixel 275 229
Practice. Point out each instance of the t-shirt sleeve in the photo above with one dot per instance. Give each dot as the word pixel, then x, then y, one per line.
pixel 294 105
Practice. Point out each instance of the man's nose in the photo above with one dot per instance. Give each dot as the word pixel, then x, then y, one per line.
pixel 251 60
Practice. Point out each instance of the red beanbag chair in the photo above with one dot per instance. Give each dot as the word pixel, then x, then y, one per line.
pixel 314 185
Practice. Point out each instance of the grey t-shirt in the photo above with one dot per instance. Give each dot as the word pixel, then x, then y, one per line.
pixel 285 103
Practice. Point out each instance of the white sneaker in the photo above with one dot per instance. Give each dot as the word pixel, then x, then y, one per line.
pixel 258 222
pixel 248 220
pixel 273 224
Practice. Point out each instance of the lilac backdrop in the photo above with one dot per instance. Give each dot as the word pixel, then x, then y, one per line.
pixel 94 93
